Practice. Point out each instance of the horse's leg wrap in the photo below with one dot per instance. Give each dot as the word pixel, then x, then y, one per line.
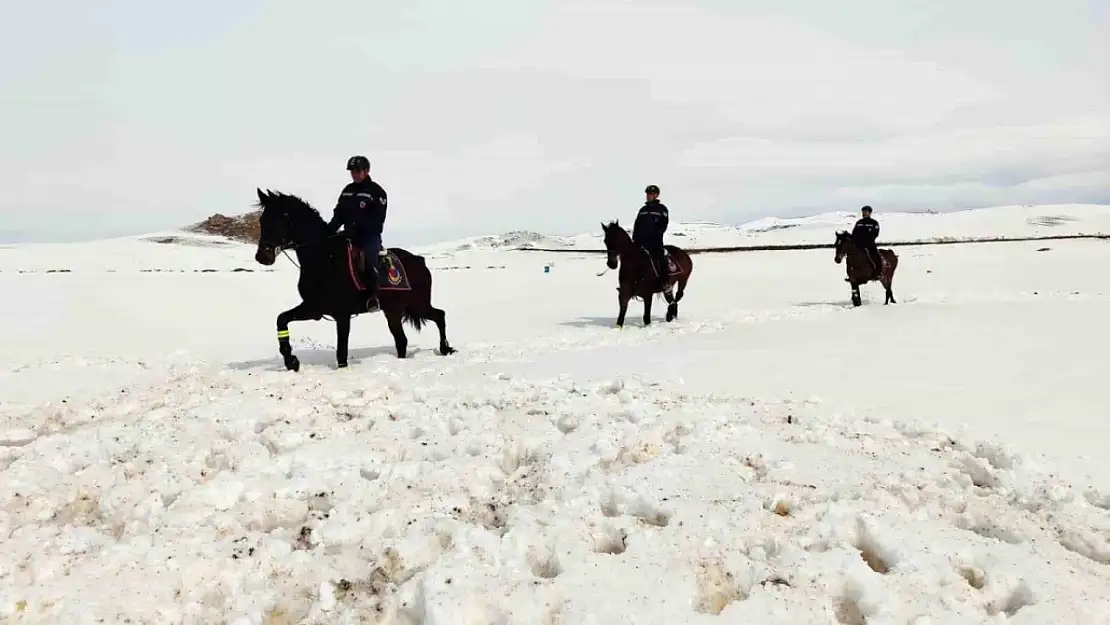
pixel 283 343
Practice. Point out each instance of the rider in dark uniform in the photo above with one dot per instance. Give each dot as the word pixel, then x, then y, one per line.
pixel 361 210
pixel 647 232
pixel 865 232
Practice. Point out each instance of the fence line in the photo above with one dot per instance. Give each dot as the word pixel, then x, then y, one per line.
pixel 822 246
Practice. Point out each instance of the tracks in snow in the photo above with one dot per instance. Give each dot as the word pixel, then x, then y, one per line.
pixel 310 499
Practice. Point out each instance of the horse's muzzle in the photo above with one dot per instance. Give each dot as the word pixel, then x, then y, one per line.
pixel 611 262
pixel 265 255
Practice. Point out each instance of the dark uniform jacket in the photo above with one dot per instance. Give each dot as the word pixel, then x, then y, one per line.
pixel 651 223
pixel 360 209
pixel 866 231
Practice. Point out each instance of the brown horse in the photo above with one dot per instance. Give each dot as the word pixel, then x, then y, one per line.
pixel 329 283
pixel 859 267
pixel 638 276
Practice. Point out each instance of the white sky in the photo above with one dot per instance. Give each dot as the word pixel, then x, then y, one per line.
pixel 491 115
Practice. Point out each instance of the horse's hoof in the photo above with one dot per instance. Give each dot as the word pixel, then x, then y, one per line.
pixel 293 364
pixel 446 350
pixel 341 365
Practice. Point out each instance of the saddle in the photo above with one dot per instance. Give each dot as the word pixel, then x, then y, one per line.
pixel 665 268
pixel 360 257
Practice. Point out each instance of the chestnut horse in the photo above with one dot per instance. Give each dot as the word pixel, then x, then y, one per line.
pixel 859 267
pixel 638 275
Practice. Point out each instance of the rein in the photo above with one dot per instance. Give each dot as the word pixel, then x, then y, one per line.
pixel 295 246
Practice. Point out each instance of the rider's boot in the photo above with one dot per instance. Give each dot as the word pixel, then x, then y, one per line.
pixel 372 303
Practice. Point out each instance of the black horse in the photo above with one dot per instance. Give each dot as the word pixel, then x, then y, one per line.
pixel 330 282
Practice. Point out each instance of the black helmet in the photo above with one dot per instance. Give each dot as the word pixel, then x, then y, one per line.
pixel 866 208
pixel 651 189
pixel 358 163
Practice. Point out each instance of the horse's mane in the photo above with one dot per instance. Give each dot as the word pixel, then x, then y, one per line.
pixel 273 198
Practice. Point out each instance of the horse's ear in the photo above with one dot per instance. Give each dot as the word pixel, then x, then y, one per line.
pixel 261 197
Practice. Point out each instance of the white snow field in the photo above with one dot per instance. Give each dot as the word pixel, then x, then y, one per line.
pixel 774 456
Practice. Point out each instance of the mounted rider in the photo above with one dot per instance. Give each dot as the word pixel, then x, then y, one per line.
pixel 361 210
pixel 865 233
pixel 649 228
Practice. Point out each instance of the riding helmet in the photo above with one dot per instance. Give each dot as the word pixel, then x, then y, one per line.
pixel 358 163
pixel 866 208
pixel 651 189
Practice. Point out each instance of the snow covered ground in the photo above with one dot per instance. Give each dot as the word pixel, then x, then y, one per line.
pixel 774 456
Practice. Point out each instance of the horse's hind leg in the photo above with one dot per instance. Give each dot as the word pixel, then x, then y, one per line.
pixel 889 292
pixel 393 318
pixel 672 303
pixel 439 317
pixel 300 312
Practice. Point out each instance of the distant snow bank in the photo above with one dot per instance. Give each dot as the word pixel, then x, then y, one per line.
pixel 994 222
pixel 189 251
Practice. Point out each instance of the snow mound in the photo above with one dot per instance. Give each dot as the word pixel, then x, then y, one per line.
pixel 251 498
pixel 194 241
pixel 517 239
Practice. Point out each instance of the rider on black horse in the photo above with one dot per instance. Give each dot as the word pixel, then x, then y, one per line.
pixel 865 232
pixel 361 210
pixel 647 232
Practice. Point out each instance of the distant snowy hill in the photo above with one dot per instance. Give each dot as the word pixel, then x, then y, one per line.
pixel 999 221
pixel 190 251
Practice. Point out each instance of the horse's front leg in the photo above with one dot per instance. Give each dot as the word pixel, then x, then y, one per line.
pixel 300 312
pixel 648 297
pixel 624 294
pixel 342 337
pixel 856 299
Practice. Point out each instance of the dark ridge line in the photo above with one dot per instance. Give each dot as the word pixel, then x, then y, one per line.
pixel 822 246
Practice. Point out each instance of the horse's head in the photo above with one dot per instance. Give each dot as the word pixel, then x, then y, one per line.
pixel 616 241
pixel 274 226
pixel 283 222
pixel 843 239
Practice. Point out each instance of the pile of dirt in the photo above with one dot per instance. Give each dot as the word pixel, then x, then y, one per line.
pixel 240 227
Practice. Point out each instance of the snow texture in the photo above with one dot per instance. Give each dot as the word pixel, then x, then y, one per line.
pixel 772 457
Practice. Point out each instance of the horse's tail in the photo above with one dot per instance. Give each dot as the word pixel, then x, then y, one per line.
pixel 415 320
pixel 418 312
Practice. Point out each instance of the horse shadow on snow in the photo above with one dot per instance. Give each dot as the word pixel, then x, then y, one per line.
pixel 324 357
pixel 610 322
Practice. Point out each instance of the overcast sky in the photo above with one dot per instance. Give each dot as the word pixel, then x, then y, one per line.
pixel 125 116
